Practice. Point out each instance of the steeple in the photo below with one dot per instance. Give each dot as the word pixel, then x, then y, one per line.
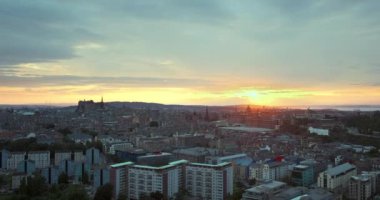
pixel 248 110
pixel 102 103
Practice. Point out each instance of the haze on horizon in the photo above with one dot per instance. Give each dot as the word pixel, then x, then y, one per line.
pixel 217 52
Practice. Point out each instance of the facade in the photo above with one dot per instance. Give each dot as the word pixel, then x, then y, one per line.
pixel 76 156
pixel 119 178
pixel 275 171
pixel 264 191
pixel 145 180
pixel 81 169
pixel 50 174
pixel 130 155
pixel 4 154
pixel 120 146
pixel 360 188
pixel 337 178
pixel 158 159
pixel 67 167
pixel 207 181
pixel 26 167
pixel 93 156
pixel 302 175
pixel 41 158
pixel 195 154
pixel 101 177
pixel 256 171
pixel 14 158
pixel 17 180
pixel 319 131
pixel 269 171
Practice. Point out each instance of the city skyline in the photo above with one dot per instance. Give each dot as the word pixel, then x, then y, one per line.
pixel 288 53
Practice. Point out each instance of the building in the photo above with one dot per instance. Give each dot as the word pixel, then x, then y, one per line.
pixel 50 174
pixel 17 179
pixel 302 175
pixel 26 167
pixel 375 180
pixel 81 172
pixel 145 179
pixel 156 159
pixel 319 131
pixel 240 163
pixel 41 158
pixel 190 140
pixel 264 191
pixel 337 178
pixel 80 138
pixel 275 171
pixel 67 167
pixel 14 158
pixel 195 154
pixel 76 156
pixel 360 188
pixel 101 177
pixel 119 178
pixel 269 171
pixel 93 156
pixel 130 155
pixel 207 181
pixel 4 155
pixel 111 148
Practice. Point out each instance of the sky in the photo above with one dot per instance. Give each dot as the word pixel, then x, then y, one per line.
pixel 215 52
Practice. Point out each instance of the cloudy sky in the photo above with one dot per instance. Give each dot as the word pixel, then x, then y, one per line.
pixel 272 52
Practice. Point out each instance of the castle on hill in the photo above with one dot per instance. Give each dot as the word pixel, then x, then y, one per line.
pixel 89 105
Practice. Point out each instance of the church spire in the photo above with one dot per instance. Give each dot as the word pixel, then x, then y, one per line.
pixel 102 103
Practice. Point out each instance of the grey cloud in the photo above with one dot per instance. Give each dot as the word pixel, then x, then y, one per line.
pixel 38 31
pixel 68 80
pixel 210 11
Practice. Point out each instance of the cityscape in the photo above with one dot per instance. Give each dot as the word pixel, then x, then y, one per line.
pixel 189 100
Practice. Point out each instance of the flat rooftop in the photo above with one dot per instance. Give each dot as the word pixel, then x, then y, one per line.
pixel 340 169
pixel 248 129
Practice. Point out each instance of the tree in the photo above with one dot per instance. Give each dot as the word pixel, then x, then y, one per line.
pixel 104 192
pixel 76 192
pixel 33 186
pixel 85 178
pixel 63 178
pixel 122 196
pixel 65 131
pixel 157 195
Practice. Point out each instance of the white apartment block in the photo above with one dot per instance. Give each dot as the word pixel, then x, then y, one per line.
pixel 269 171
pixel 14 158
pixel 121 146
pixel 41 158
pixel 360 188
pixel 134 180
pixel 211 182
pixel 77 156
pixel 146 179
pixel 337 177
pixel 205 181
pixel 256 172
pixel 119 178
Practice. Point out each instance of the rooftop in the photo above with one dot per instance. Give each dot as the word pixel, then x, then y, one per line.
pixel 247 129
pixel 340 169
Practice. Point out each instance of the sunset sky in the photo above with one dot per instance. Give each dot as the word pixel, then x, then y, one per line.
pixel 216 52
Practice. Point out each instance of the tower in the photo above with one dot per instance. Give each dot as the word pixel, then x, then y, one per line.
pixel 102 103
pixel 207 118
